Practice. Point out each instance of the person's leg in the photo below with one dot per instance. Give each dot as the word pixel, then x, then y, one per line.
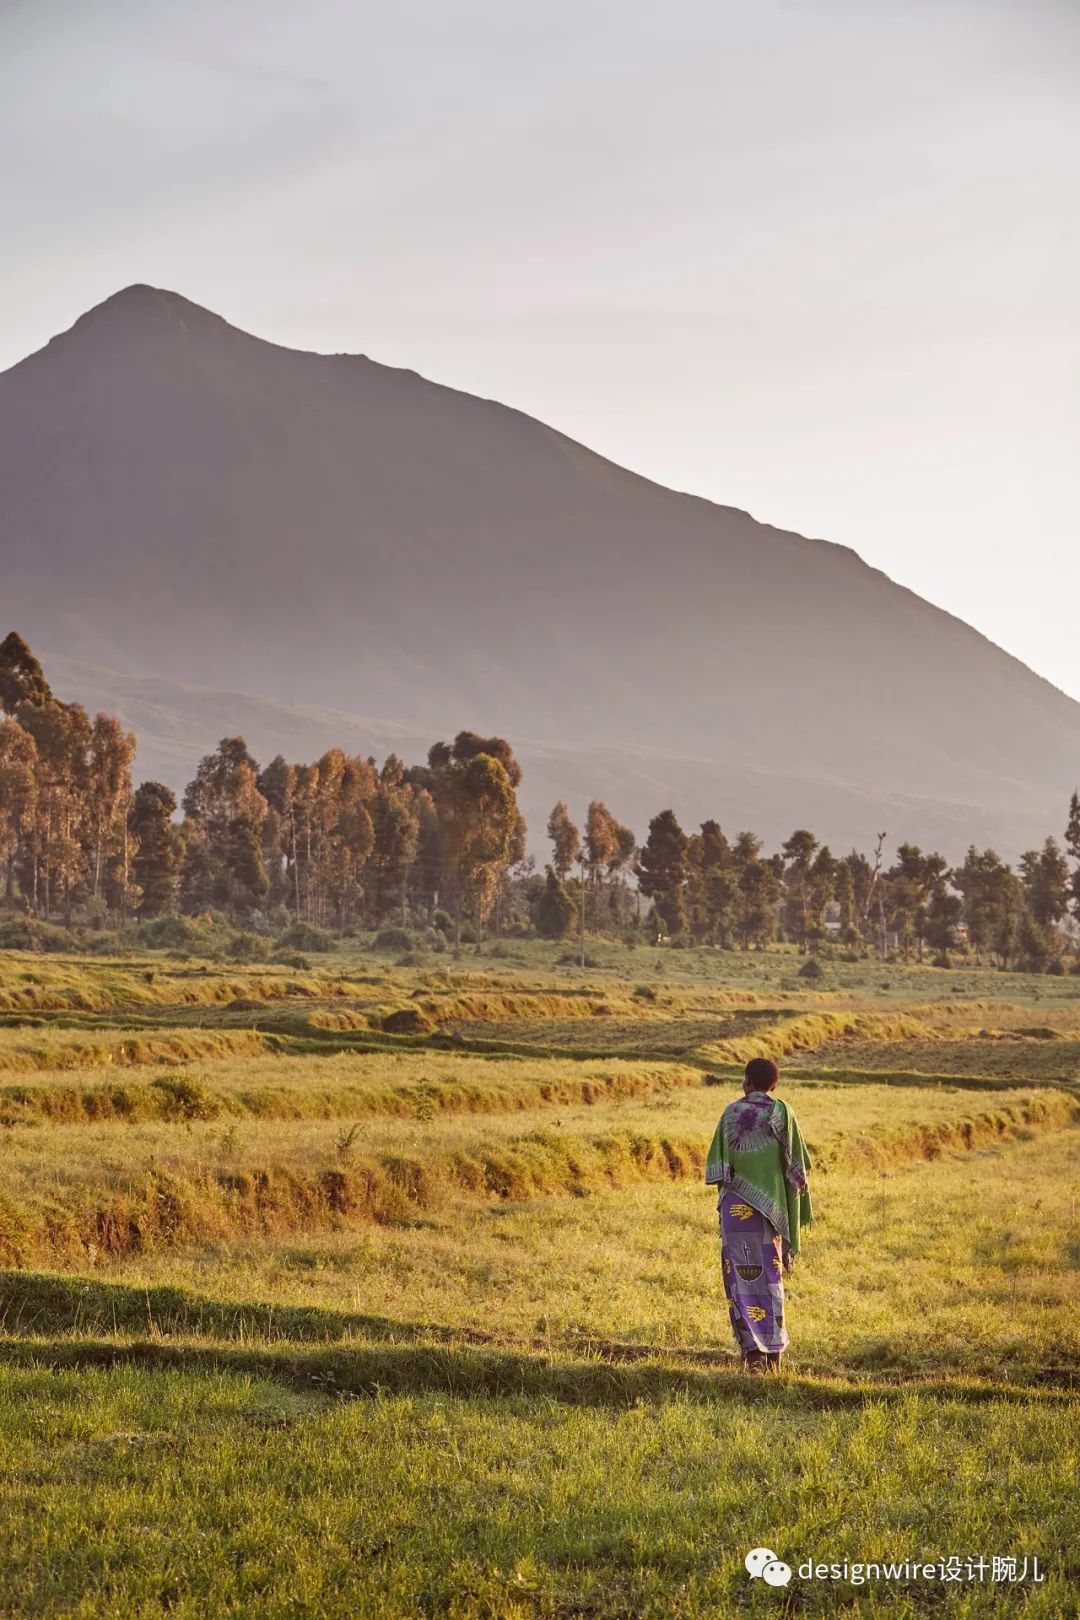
pixel 753 1282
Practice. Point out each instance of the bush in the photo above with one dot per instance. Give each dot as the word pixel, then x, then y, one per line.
pixel 644 992
pixel 30 934
pixel 443 921
pixel 247 948
pixel 169 933
pixel 304 936
pixel 812 969
pixel 470 935
pixel 185 1097
pixel 293 959
pixel 407 1021
pixel 395 939
pixel 1056 966
pixel 519 928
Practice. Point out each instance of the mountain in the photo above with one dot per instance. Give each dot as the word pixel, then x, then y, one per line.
pixel 213 533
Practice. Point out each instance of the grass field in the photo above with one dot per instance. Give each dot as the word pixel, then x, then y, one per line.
pixel 303 1316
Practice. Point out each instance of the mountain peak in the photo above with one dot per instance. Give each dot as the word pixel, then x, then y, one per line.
pixel 142 306
pixel 204 506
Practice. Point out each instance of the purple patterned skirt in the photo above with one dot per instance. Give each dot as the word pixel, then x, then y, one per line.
pixel 752 1262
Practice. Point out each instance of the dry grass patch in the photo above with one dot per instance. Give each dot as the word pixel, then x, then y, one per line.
pixel 90 1191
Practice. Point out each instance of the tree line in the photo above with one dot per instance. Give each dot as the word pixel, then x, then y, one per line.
pixel 344 843
pixel 339 843
pixel 709 889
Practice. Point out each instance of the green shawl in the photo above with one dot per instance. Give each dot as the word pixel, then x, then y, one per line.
pixel 758 1152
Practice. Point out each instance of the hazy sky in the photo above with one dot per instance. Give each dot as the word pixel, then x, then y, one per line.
pixel 819 259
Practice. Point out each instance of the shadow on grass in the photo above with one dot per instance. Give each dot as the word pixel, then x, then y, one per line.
pixel 372 1371
pixel 39 1303
pixel 75 1322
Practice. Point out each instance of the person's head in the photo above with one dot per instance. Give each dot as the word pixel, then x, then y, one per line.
pixel 761 1075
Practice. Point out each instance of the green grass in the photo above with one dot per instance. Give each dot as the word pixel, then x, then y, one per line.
pixel 131 1492
pixel 305 1319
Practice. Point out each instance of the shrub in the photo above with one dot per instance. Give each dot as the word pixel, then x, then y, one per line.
pixel 407 1021
pixel 247 948
pixel 30 934
pixel 169 933
pixel 395 939
pixel 304 936
pixel 644 992
pixel 519 928
pixel 293 959
pixel 443 921
pixel 185 1097
pixel 553 913
pixel 1055 966
pixel 812 969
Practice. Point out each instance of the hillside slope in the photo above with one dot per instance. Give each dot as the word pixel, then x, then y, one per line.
pixel 184 502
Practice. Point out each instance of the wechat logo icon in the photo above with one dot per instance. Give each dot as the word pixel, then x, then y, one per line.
pixel 763 1564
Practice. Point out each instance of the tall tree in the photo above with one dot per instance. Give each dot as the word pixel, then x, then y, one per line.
pixel 661 871
pixel 601 841
pixel 18 795
pixel 479 821
pixel 798 855
pixel 821 891
pixel 911 882
pixel 396 839
pixel 565 841
pixel 943 912
pixel 989 891
pixel 554 911
pixel 1072 844
pixel 277 783
pixel 61 733
pixel 223 815
pixel 22 680
pixel 156 845
pixel 718 882
pixel 1045 877
pixel 757 891
pixel 111 752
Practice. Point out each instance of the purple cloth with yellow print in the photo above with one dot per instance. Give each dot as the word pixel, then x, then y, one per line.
pixel 751 1258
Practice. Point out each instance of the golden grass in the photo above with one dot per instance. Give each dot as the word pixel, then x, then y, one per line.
pixel 55 1051
pixel 811 1031
pixel 30 983
pixel 354 1084
pixel 943 1267
pixel 97 1191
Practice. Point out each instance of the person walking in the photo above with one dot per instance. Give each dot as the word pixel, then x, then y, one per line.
pixel 759 1163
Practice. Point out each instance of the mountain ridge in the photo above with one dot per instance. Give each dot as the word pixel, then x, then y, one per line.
pixel 216 511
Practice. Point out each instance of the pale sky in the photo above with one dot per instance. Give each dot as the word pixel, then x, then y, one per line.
pixel 815 258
